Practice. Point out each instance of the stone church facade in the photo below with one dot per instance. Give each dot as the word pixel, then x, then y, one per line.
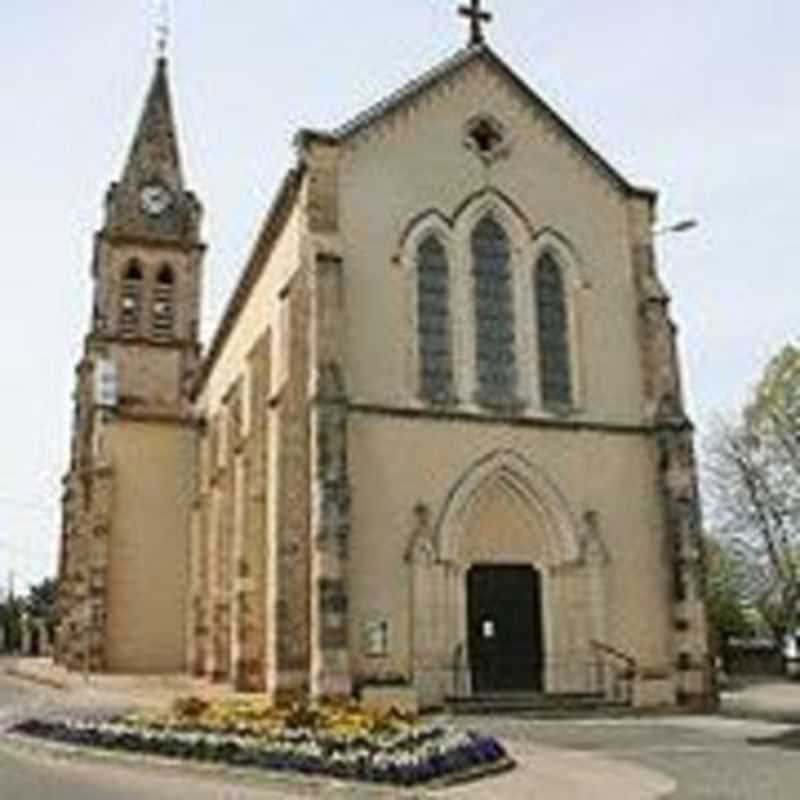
pixel 437 439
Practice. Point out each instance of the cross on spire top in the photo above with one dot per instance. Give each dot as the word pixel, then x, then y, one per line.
pixel 477 17
pixel 162 29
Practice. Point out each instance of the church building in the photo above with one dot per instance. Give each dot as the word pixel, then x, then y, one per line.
pixel 438 439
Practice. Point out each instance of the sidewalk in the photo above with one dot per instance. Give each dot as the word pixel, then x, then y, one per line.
pixel 542 772
pixel 157 691
pixel 775 701
pixel 551 774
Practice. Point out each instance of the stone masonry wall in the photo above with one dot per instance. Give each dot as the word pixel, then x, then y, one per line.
pixel 250 616
pixel 290 572
pixel 676 470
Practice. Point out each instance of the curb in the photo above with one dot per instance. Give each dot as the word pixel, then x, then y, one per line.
pixel 762 715
pixel 32 747
pixel 40 680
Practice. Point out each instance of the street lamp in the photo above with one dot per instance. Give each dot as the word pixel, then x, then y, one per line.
pixel 677 227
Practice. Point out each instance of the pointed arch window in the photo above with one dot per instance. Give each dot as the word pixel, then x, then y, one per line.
pixel 130 311
pixel 164 304
pixel 496 366
pixel 433 321
pixel 553 332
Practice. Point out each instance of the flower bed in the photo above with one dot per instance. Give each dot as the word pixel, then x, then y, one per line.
pixel 341 742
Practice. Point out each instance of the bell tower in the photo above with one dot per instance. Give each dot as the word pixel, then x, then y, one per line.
pixel 148 264
pixel 126 500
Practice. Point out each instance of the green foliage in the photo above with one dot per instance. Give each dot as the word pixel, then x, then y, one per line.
pixel 10 621
pixel 726 593
pixel 776 402
pixel 39 603
pixel 754 482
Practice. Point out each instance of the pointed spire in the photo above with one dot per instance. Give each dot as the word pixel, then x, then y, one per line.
pixel 151 201
pixel 154 154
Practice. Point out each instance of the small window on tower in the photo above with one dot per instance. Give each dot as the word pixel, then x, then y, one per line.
pixel 164 304
pixel 131 300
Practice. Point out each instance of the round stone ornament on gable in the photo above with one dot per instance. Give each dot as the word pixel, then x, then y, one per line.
pixel 487 137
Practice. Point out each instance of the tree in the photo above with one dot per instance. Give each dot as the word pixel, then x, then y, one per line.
pixel 726 593
pixel 753 476
pixel 41 601
pixel 10 622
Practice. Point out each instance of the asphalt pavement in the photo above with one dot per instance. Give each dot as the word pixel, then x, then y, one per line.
pixel 683 758
pixel 708 757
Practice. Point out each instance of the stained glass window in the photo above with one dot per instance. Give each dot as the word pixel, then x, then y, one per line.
pixel 494 315
pixel 433 321
pixel 553 330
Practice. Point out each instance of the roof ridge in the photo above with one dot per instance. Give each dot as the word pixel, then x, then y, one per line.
pixel 407 90
pixel 464 56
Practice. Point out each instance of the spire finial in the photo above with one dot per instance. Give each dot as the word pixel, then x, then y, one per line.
pixel 162 29
pixel 477 17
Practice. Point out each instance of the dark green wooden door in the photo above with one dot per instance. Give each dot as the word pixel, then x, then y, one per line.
pixel 505 628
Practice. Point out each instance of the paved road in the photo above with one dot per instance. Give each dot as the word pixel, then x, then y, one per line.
pixel 19 699
pixel 708 758
pixel 34 773
pixel 23 777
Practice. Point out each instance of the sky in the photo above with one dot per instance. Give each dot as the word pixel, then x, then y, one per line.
pixel 697 98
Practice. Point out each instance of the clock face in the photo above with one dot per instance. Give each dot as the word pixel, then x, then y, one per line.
pixel 155 199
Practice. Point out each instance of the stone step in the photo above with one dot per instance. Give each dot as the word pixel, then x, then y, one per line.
pixel 540 704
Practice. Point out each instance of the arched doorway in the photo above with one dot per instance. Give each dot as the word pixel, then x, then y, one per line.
pixel 505 628
pixel 505 548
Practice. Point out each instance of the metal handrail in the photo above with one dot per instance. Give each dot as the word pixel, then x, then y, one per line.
pixel 622 687
pixel 607 649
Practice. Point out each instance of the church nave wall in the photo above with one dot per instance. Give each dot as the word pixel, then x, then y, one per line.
pixel 249 402
pixel 254 481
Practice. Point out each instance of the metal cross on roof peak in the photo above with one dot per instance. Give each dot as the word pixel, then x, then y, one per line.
pixel 163 29
pixel 477 17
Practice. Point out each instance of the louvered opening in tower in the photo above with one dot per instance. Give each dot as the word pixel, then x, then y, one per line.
pixel 131 300
pixel 164 305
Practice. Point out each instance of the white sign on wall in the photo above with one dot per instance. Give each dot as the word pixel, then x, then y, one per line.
pixel 106 390
pixel 376 638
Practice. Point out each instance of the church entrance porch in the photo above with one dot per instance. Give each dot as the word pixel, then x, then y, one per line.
pixel 507 589
pixel 506 647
